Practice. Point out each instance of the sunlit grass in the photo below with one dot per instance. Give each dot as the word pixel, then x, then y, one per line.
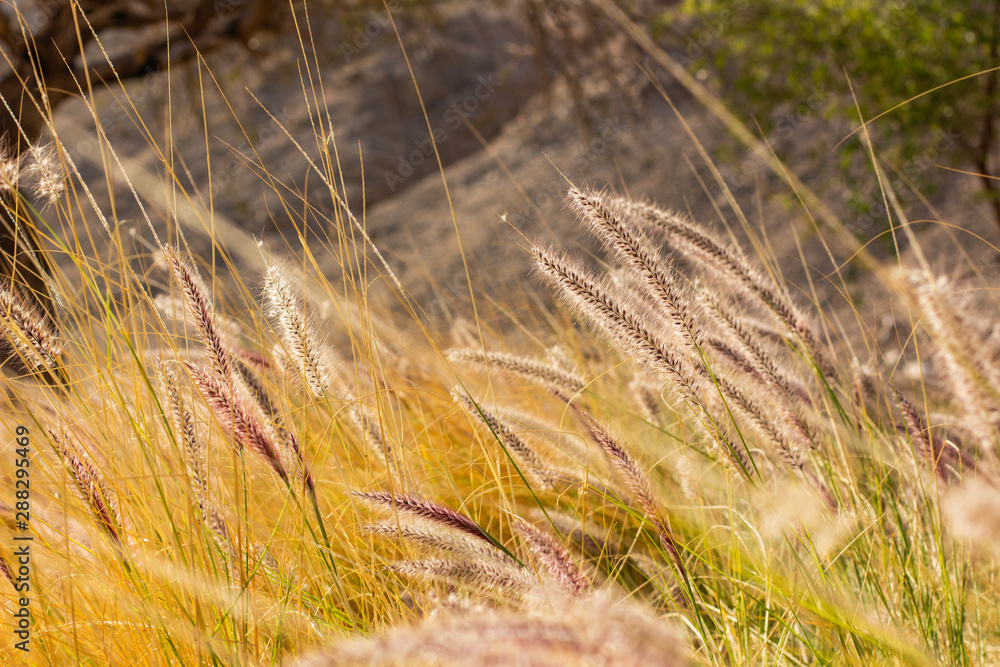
pixel 574 504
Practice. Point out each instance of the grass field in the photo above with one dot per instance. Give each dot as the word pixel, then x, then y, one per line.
pixel 240 460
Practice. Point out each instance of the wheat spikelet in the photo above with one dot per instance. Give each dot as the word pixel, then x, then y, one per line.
pixel 524 455
pixel 303 348
pixel 549 375
pixel 199 304
pixel 27 333
pixel 554 560
pixel 424 509
pixel 239 417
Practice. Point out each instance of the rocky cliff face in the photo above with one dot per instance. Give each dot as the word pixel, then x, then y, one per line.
pixel 508 131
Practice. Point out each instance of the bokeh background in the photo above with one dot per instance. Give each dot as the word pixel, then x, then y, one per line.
pixel 521 96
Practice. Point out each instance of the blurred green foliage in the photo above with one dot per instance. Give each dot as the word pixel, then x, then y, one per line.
pixel 769 54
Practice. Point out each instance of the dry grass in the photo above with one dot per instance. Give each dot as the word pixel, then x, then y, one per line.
pixel 282 471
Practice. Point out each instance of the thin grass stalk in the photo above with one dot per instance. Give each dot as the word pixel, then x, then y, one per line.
pixel 522 453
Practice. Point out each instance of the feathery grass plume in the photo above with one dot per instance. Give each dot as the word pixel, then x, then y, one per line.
pixel 252 358
pixel 591 297
pixel 239 417
pixel 949 461
pixel 588 537
pixel 619 232
pixel 286 438
pixel 553 559
pixel 199 303
pixel 638 483
pixel 43 169
pixel 292 451
pixel 549 375
pixel 975 380
pixel 647 397
pixel 371 432
pixel 595 631
pixel 703 246
pixel 760 417
pixel 951 324
pixel 27 333
pixel 754 352
pixel 560 357
pixel 89 482
pixel 629 332
pixel 524 455
pixel 303 348
pixel 11 165
pixel 755 361
pixel 505 580
pixel 192 446
pixel 431 536
pixel 6 571
pixel 739 361
pixel 260 394
pixel 424 509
